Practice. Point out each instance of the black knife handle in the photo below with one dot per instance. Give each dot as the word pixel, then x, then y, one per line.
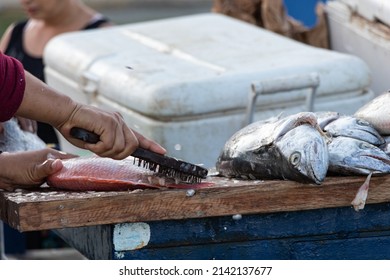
pixel 85 135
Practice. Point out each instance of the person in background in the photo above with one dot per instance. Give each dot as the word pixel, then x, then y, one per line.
pixel 26 40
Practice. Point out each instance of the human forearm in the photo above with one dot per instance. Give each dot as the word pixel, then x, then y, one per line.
pixel 42 103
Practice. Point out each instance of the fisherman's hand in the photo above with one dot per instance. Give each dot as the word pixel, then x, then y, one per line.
pixel 117 140
pixel 148 144
pixel 28 169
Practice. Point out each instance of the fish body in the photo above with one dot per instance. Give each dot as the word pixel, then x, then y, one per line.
pixel 377 113
pixel 349 156
pixel 94 173
pixel 353 127
pixel 289 148
pixel 14 139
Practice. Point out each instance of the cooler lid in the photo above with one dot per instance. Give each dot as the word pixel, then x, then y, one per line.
pixel 195 65
pixel 371 9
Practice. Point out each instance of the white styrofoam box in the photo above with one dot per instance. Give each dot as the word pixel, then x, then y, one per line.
pixel 356 35
pixel 370 9
pixel 191 77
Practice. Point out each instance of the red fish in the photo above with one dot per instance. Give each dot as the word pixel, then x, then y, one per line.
pixel 105 174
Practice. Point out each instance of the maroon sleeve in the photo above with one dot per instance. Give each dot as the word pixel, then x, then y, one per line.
pixel 12 85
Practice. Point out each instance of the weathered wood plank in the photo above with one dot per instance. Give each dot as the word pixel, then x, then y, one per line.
pixel 48 209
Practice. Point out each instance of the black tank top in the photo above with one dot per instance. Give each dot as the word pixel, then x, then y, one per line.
pixel 35 66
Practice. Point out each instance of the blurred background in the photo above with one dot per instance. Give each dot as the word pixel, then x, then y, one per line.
pixel 120 11
pixel 129 11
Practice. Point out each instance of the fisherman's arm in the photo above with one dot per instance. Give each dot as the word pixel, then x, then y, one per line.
pixel 42 103
pixel 26 96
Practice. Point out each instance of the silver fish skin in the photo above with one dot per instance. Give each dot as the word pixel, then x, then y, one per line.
pixel 14 139
pixel 386 146
pixel 265 132
pixel 377 113
pixel 324 118
pixel 353 127
pixel 349 156
pixel 289 148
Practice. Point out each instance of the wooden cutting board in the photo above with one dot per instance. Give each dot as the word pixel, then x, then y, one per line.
pixel 48 208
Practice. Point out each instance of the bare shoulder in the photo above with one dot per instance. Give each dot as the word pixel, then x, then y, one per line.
pixel 4 41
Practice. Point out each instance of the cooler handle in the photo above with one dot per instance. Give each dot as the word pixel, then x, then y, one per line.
pixel 289 83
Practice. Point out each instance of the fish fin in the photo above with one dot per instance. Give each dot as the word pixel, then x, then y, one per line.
pixel 278 117
pixel 360 199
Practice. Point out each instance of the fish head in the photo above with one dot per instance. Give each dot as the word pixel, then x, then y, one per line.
pixel 305 154
pixel 352 156
pixel 265 132
pixel 273 149
pixel 354 127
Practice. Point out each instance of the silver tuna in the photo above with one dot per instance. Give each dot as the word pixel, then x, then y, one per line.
pixel 353 127
pixel 386 146
pixel 377 112
pixel 290 148
pixel 324 118
pixel 349 156
pixel 13 139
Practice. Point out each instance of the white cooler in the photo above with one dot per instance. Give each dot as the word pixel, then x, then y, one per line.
pixel 362 28
pixel 193 77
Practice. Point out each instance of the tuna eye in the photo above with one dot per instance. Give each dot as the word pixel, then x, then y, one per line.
pixel 295 158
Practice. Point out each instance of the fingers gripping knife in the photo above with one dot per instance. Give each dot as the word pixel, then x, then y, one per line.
pixel 167 166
